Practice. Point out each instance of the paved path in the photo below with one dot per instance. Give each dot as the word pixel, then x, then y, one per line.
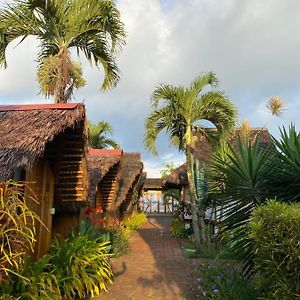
pixel 154 268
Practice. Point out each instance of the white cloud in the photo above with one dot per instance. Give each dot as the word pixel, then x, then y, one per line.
pixel 252 45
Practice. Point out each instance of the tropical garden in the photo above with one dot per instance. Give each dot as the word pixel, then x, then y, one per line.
pixel 252 189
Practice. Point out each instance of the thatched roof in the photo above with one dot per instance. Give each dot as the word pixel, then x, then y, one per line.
pixel 203 151
pixel 130 169
pixel 26 129
pixel 100 161
pixel 153 184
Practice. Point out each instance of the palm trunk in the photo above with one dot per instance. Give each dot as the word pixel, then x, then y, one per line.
pixel 63 76
pixel 194 207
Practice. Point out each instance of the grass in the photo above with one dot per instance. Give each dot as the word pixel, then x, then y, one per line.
pixel 208 252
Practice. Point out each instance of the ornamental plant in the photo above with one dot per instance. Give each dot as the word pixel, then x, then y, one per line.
pixel 95 215
pixel 17 230
pixel 223 282
pixel 135 221
pixel 275 229
pixel 81 266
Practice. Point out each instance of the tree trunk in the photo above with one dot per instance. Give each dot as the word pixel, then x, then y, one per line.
pixel 194 207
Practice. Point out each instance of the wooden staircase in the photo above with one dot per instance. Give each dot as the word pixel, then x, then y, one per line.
pixel 67 157
pixel 107 188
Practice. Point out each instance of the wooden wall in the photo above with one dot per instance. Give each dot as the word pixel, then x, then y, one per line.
pixel 41 182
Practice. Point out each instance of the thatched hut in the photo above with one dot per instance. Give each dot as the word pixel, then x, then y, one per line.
pixel 45 145
pixel 103 167
pixel 203 152
pixel 154 200
pixel 130 183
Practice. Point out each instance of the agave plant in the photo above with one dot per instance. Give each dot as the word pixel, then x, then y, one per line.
pixel 243 185
pixel 285 184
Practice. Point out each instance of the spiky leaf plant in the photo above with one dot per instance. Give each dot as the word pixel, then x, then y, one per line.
pixel 82 266
pixel 243 185
pixel 285 184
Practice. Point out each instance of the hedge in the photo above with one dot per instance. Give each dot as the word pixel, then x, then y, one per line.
pixel 275 229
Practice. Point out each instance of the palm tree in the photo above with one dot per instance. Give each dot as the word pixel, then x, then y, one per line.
pixel 92 27
pixel 177 111
pixel 98 135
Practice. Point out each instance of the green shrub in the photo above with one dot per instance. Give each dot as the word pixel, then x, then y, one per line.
pixel 35 280
pixel 223 282
pixel 81 265
pixel 87 228
pixel 135 221
pixel 17 235
pixel 275 229
pixel 178 230
pixel 76 267
pixel 119 240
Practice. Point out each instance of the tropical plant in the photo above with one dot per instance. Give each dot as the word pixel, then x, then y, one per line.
pixel 135 221
pixel 178 111
pixel 223 282
pixel 98 135
pixel 17 226
pixel 285 183
pixel 92 27
pixel 177 229
pixel 243 185
pixel 275 106
pixel 168 169
pixel 35 280
pixel 275 229
pixel 81 265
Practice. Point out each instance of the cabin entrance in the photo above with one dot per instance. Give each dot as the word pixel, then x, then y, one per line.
pixel 154 202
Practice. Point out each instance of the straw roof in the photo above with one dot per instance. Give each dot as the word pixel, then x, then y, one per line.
pixel 130 170
pixel 153 184
pixel 100 161
pixel 25 131
pixel 203 151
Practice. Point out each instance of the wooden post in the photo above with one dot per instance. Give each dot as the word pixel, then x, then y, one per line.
pixel 158 201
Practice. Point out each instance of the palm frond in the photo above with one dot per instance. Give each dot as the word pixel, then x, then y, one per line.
pixel 202 81
pixel 285 183
pixel 98 135
pixel 216 108
pixel 243 186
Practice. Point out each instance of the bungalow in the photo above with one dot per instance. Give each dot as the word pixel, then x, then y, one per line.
pixel 103 168
pixel 45 145
pixel 131 178
pixel 153 199
pixel 203 152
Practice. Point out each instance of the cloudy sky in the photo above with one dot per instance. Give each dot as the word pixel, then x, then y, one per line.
pixel 253 46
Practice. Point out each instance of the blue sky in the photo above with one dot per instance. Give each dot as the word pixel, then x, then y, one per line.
pixel 252 46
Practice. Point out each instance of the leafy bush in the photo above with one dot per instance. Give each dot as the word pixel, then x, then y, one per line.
pixel 81 265
pixel 17 235
pixel 177 229
pixel 222 281
pixel 135 221
pixel 242 185
pixel 119 240
pixel 76 267
pixel 36 280
pixel 275 229
pixel 87 228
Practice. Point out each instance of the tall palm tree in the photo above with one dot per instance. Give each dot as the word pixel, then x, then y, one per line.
pixel 98 135
pixel 92 27
pixel 177 111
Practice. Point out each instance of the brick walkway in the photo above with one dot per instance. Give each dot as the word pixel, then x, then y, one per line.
pixel 154 268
